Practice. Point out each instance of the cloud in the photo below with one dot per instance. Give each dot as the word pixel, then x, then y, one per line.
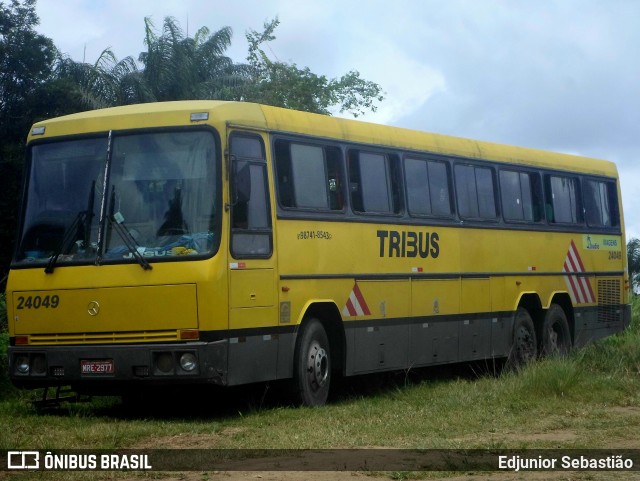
pixel 629 179
pixel 408 83
pixel 557 75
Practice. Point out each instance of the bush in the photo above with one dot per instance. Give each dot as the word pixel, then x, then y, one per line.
pixel 635 311
pixel 6 389
pixel 4 323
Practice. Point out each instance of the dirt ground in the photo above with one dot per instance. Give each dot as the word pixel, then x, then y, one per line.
pixel 359 476
pixel 253 469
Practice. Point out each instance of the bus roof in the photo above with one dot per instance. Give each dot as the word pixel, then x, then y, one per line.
pixel 277 119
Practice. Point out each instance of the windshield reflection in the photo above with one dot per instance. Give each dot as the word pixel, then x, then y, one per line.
pixel 60 189
pixel 160 195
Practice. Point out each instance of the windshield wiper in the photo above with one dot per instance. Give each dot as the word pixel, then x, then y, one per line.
pixel 116 221
pixel 80 228
pixel 69 235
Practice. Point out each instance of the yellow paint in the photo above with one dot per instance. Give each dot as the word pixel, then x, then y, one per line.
pixel 113 309
pixel 208 295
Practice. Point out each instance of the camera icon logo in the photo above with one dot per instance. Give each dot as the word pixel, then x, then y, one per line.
pixel 23 460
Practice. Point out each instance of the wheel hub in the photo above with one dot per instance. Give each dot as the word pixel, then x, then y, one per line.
pixel 318 366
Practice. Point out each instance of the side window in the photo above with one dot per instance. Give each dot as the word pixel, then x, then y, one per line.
pixel 373 183
pixel 601 204
pixel 562 200
pixel 427 187
pixel 309 176
pixel 521 196
pixel 475 192
pixel 250 213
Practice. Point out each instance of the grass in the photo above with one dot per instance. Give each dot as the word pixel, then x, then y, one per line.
pixel 575 402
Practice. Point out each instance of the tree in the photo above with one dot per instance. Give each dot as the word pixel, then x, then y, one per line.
pixel 286 85
pixel 633 260
pixel 38 82
pixel 106 83
pixel 177 67
pixel 26 65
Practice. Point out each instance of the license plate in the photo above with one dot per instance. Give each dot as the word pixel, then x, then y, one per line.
pixel 97 367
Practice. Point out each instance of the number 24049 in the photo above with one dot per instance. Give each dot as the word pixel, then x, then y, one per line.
pixel 615 255
pixel 38 302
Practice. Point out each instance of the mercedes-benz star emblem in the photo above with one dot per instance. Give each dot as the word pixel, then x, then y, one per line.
pixel 94 308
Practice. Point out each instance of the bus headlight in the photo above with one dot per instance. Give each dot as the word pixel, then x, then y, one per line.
pixel 163 362
pixel 39 364
pixel 22 364
pixel 188 362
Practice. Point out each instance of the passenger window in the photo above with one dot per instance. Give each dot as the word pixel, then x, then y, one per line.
pixel 250 212
pixel 475 192
pixel 600 204
pixel 427 187
pixel 562 200
pixel 372 178
pixel 309 176
pixel 521 196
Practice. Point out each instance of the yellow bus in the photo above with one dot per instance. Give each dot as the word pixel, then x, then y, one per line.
pixel 231 243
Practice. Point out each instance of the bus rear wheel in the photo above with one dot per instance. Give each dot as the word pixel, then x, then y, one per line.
pixel 524 347
pixel 556 336
pixel 312 369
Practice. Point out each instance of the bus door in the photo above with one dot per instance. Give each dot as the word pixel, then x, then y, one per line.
pixel 252 274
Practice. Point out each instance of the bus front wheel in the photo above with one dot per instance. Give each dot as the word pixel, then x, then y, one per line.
pixel 524 347
pixel 312 369
pixel 556 336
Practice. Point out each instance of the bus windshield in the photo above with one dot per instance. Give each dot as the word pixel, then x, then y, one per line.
pixel 158 201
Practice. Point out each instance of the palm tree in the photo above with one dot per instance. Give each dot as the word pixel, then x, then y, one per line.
pixel 106 83
pixel 177 67
pixel 633 259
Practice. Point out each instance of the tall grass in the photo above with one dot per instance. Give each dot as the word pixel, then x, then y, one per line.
pixel 4 323
pixel 554 402
pixel 6 389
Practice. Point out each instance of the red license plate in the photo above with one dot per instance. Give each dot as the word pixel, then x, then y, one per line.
pixel 97 367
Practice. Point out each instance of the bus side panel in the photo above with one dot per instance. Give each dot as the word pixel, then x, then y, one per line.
pixel 253 358
pixel 501 320
pixel 434 332
pixel 384 345
pixel 475 327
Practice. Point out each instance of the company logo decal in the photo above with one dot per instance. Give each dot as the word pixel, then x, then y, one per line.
pixel 601 242
pixel 579 286
pixel 93 308
pixel 356 305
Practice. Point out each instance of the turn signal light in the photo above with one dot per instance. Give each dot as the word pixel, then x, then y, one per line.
pixel 189 334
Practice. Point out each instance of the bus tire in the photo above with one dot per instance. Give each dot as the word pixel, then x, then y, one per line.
pixel 556 336
pixel 524 346
pixel 312 369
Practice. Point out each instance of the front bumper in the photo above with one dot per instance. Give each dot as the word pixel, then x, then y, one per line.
pixel 119 366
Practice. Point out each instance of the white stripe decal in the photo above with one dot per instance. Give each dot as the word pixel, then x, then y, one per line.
pixel 579 287
pixel 356 305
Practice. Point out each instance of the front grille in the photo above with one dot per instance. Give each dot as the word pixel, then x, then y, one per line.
pixel 609 300
pixel 104 337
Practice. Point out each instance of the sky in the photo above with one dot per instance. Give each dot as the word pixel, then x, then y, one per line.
pixel 560 75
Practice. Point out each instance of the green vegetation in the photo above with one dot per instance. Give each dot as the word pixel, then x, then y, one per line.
pixel 575 402
pixel 6 389
pixel 37 81
pixel 590 399
pixel 633 259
